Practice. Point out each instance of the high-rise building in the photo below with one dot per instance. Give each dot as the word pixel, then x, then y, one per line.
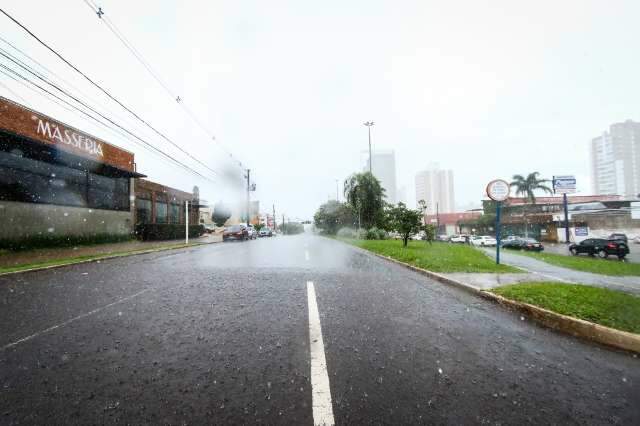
pixel 384 169
pixel 435 187
pixel 615 160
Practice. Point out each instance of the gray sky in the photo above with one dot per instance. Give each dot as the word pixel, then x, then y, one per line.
pixel 486 88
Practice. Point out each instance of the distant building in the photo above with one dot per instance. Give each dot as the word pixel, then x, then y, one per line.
pixel 402 195
pixel 384 169
pixel 435 187
pixel 615 160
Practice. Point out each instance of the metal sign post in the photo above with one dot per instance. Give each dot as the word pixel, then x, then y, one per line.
pixel 498 190
pixel 565 185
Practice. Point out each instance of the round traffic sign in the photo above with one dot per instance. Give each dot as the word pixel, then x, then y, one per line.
pixel 498 190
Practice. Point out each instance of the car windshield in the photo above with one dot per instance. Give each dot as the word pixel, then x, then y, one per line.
pixel 319 212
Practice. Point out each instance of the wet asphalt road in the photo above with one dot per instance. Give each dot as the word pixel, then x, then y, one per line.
pixel 219 334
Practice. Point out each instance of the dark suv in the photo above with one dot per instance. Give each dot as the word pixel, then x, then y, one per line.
pixel 601 247
pixel 235 232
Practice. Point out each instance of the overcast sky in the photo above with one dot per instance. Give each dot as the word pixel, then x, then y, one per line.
pixel 486 88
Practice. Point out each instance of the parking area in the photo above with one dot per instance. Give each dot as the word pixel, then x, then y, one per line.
pixel 559 248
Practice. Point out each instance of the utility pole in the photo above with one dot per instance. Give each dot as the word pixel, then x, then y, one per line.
pixel 248 176
pixel 337 199
pixel 369 124
pixel 274 217
pixel 283 227
pixel 438 217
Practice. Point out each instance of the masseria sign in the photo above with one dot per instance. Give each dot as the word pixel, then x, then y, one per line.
pixel 69 137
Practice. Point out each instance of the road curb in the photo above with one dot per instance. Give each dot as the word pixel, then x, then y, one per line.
pixel 566 324
pixel 105 257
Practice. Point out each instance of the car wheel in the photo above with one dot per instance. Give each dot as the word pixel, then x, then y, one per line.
pixel 602 254
pixel 621 257
pixel 574 251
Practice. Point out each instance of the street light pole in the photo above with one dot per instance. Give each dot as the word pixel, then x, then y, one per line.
pixel 369 124
pixel 337 199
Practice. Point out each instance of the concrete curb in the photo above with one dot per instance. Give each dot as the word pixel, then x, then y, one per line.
pixel 105 257
pixel 570 325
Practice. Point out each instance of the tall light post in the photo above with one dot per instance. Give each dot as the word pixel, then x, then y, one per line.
pixel 337 199
pixel 369 124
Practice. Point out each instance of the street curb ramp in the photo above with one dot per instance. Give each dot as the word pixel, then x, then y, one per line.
pixel 570 325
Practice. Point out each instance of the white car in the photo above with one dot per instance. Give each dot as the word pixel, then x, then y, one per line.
pixel 483 241
pixel 458 239
pixel 253 234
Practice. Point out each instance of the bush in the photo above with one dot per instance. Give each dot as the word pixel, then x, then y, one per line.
pixel 361 234
pixel 375 234
pixel 347 233
pixel 166 231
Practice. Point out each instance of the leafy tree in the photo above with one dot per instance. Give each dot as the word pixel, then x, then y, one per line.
pixel 429 232
pixel 527 186
pixel 221 214
pixel 366 196
pixel 333 215
pixel 404 221
pixel 258 226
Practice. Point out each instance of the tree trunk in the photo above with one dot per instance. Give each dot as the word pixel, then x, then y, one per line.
pixel 405 239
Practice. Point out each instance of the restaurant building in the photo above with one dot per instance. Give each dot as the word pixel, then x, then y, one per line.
pixel 58 181
pixel 159 204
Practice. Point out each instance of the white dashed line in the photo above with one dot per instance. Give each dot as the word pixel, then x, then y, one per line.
pixel 62 324
pixel 306 255
pixel 320 390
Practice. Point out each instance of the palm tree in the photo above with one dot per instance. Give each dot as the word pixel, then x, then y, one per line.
pixel 527 187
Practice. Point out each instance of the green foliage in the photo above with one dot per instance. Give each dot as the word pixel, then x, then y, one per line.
pixel 429 232
pixel 220 214
pixel 366 196
pixel 166 231
pixel 437 257
pixel 334 215
pixel 600 305
pixel 258 226
pixel 347 233
pixel 52 240
pixel 375 234
pixel 588 264
pixel 403 220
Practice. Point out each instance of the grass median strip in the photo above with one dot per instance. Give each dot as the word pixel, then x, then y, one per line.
pixel 588 264
pixel 435 257
pixel 86 258
pixel 602 306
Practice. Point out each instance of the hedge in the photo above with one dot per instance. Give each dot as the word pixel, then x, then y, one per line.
pixel 166 231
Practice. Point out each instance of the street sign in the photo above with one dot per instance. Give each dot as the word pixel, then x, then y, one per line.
pixel 582 231
pixel 498 190
pixel 564 184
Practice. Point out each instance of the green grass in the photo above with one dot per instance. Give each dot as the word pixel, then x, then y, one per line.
pixel 588 264
pixel 80 259
pixel 610 308
pixel 437 257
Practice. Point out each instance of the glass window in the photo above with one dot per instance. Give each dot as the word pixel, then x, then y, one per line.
pixel 143 211
pixel 161 212
pixel 175 213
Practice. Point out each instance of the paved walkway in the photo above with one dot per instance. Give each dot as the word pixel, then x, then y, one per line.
pixel 15 258
pixel 542 271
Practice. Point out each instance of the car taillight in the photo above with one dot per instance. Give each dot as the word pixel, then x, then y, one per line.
pixel 611 245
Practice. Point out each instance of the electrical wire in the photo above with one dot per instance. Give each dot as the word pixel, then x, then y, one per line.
pixel 136 53
pixel 104 90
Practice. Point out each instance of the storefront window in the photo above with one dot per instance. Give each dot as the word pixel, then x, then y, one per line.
pixel 175 213
pixel 143 211
pixel 27 180
pixel 161 212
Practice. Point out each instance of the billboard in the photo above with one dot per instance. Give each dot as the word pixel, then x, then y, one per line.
pixel 564 184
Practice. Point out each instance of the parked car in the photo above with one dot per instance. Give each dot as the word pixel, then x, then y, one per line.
pixel 509 238
pixel 265 232
pixel 483 241
pixel 528 244
pixel 253 234
pixel 235 232
pixel 443 238
pixel 619 237
pixel 209 229
pixel 600 247
pixel 458 239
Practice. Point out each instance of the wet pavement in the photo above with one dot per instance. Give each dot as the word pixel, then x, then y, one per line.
pixel 219 334
pixel 543 271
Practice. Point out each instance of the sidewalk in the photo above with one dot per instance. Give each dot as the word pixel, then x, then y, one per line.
pixel 541 271
pixel 16 258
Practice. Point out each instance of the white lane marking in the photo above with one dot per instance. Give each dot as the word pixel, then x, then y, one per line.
pixel 306 255
pixel 62 324
pixel 320 390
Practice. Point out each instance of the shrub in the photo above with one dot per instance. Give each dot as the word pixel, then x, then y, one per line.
pixel 45 241
pixel 166 231
pixel 347 233
pixel 361 234
pixel 375 234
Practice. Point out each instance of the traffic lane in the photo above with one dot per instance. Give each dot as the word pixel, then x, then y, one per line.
pixel 633 256
pixel 214 347
pixel 403 349
pixel 33 301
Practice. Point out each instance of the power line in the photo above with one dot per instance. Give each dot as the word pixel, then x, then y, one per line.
pixel 136 53
pixel 147 144
pixel 103 90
